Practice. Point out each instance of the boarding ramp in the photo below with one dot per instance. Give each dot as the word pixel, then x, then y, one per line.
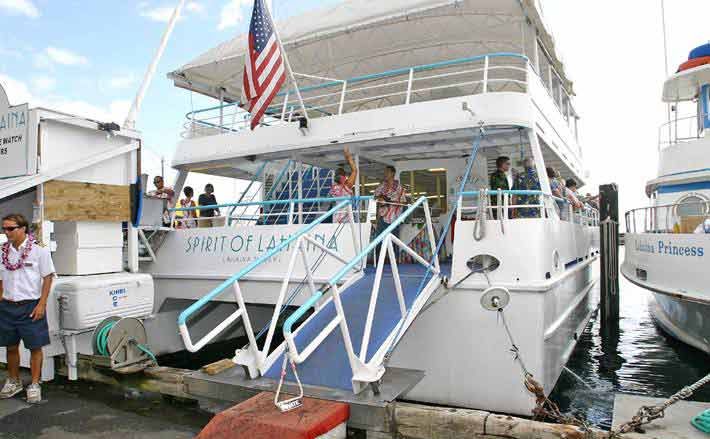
pixel 356 323
pixel 356 318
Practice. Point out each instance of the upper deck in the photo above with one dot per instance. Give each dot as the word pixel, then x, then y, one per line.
pixel 390 79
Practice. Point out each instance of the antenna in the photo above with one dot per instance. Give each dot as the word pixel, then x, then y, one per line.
pixel 665 56
pixel 130 121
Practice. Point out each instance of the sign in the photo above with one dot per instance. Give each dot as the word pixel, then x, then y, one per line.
pixel 13 138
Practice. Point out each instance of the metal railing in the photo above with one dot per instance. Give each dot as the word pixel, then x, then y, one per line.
pixel 680 130
pixel 261 215
pixel 254 358
pixel 480 74
pixel 365 371
pixel 669 218
pixel 508 207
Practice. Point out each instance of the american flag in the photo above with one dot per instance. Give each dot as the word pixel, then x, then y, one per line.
pixel 264 69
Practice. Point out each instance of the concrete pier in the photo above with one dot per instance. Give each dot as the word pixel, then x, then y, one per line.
pixel 675 424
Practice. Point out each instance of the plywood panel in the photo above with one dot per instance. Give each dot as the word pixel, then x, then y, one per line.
pixel 72 201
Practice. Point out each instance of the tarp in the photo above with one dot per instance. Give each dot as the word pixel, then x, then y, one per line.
pixel 359 37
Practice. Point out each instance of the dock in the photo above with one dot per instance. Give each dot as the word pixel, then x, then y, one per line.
pixel 675 424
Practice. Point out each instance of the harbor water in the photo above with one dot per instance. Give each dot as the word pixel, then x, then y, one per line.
pixel 641 359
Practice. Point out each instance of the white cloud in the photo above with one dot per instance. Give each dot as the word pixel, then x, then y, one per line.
pixel 20 7
pixel 233 13
pixel 54 55
pixel 121 81
pixel 43 83
pixel 162 14
pixel 20 92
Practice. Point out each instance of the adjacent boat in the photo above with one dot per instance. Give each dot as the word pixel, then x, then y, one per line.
pixel 667 244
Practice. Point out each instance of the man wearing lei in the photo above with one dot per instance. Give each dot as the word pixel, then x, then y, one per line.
pixel 26 274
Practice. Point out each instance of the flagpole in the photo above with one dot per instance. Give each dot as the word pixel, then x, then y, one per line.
pixel 292 77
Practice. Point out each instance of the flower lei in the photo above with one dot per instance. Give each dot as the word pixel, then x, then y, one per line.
pixel 23 256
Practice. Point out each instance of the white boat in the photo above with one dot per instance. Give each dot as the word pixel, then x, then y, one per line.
pixel 667 244
pixel 436 88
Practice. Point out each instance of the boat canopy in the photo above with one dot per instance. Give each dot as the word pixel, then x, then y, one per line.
pixel 358 37
pixel 684 86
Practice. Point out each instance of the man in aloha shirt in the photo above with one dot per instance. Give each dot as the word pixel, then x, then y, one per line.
pixel 499 180
pixel 527 180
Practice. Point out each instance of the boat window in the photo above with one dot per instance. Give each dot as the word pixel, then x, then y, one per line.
pixel 692 205
pixel 430 183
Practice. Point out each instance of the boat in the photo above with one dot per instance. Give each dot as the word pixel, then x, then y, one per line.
pixel 437 89
pixel 667 243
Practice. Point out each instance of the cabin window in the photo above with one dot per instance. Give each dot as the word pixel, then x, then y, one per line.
pixel 692 205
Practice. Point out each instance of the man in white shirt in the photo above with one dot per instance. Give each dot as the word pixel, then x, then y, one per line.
pixel 26 274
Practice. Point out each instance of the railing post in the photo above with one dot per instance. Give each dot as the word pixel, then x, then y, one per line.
pixel 290 213
pixel 285 106
pixel 409 86
pixel 486 63
pixel 342 98
pixel 221 109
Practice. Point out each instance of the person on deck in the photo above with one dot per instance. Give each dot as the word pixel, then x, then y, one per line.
pixel 499 180
pixel 26 275
pixel 186 219
pixel 528 180
pixel 343 185
pixel 390 198
pixel 207 215
pixel 165 192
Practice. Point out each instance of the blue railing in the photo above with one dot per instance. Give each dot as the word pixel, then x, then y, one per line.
pixel 300 312
pixel 339 88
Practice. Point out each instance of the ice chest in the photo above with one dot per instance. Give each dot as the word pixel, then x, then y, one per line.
pixel 88 247
pixel 87 300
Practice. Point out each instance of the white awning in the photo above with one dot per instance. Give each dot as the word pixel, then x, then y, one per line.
pixel 358 37
pixel 684 86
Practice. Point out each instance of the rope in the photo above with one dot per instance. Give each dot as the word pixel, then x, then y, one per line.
pixel 648 413
pixel 479 226
pixel 102 343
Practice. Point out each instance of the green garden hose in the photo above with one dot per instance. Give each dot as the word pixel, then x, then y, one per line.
pixel 102 342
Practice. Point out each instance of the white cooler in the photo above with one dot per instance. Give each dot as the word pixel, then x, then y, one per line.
pixel 86 301
pixel 88 247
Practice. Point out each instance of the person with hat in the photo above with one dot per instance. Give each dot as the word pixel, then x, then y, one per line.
pixel 26 275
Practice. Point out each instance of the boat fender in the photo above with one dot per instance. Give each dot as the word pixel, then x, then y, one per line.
pixel 136 202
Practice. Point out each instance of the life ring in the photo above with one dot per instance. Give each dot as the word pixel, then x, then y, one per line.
pixel 700 52
pixel 693 63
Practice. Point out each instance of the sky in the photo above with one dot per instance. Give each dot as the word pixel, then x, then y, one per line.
pixel 88 57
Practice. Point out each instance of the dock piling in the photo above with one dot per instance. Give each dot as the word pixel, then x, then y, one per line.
pixel 609 261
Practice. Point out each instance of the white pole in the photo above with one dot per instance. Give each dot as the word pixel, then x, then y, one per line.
pixel 292 77
pixel 130 121
pixel 665 57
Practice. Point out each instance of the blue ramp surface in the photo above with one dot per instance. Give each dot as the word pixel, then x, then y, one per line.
pixel 328 365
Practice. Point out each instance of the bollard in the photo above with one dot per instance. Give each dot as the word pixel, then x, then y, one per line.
pixel 609 261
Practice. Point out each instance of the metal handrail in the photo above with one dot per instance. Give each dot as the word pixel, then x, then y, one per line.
pixel 233 281
pixel 345 87
pixel 665 212
pixel 590 214
pixel 362 369
pixel 668 132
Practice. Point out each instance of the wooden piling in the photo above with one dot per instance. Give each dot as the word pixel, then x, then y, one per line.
pixel 609 260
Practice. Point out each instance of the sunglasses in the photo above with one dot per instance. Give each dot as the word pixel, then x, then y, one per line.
pixel 11 229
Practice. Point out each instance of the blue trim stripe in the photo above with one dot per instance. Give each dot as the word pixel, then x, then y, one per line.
pixel 686 187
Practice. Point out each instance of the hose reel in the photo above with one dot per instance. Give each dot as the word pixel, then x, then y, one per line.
pixel 121 344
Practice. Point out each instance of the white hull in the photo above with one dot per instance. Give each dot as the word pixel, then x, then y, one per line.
pixel 465 353
pixel 677 279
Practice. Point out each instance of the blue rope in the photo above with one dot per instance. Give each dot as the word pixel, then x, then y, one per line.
pixel 445 230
